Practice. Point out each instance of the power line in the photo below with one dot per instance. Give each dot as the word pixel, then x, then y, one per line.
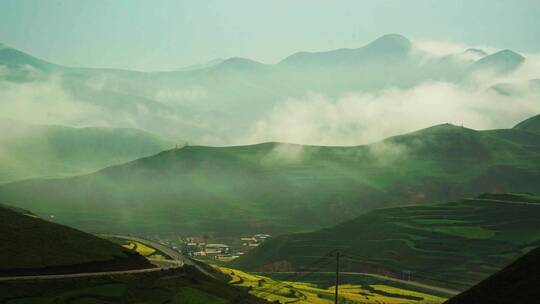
pixel 268 289
pixel 297 275
pixel 337 279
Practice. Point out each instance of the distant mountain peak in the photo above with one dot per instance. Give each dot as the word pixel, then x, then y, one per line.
pixel 387 47
pixel 239 63
pixel 502 61
pixel 394 42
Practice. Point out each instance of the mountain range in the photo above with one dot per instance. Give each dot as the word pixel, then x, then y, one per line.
pixel 218 103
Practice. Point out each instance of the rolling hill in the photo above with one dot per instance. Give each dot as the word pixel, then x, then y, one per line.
pixel 516 283
pixel 282 188
pixel 30 151
pixel 452 245
pixel 30 245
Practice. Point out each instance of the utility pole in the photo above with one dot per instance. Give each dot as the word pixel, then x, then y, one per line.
pixel 337 278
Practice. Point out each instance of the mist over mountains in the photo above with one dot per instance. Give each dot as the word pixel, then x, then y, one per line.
pixel 338 97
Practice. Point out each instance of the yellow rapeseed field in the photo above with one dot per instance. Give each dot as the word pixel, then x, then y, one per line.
pixel 305 293
pixel 140 248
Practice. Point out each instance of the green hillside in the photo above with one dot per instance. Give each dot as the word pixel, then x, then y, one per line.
pixel 282 188
pixel 516 283
pixel 450 245
pixel 29 151
pixel 532 124
pixel 31 245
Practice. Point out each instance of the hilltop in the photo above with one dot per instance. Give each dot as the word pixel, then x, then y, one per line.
pixel 517 283
pixel 30 245
pixel 281 188
pixel 531 125
pixel 454 244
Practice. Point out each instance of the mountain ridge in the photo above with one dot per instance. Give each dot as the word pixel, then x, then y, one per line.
pixel 242 185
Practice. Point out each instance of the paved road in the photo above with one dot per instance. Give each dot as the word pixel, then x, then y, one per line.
pixel 160 267
pixel 495 201
pixel 173 254
pixel 411 283
pixel 177 261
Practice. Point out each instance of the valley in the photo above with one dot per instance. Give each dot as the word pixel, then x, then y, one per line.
pixel 284 152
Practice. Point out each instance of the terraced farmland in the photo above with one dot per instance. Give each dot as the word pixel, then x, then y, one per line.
pixel 452 244
pixel 307 293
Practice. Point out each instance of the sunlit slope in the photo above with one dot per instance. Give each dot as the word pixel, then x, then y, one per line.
pixel 516 283
pixel 274 290
pixel 31 245
pixel 280 188
pixel 452 244
pixel 29 151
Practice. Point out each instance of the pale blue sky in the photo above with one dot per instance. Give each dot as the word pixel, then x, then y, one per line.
pixel 163 34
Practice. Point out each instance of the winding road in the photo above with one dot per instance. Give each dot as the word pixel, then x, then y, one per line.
pixel 173 254
pixel 411 283
pixel 177 260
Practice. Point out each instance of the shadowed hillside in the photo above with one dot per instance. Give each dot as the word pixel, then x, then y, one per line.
pixel 32 246
pixel 185 285
pixel 517 283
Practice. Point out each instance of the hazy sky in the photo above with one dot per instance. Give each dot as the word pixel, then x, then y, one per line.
pixel 166 34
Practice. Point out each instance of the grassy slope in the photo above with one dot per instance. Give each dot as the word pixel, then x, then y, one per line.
pixel 454 244
pixel 30 244
pixel 182 286
pixel 516 283
pixel 28 151
pixel 532 124
pixel 280 188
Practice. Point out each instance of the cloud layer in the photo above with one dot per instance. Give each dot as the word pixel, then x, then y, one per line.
pixel 362 117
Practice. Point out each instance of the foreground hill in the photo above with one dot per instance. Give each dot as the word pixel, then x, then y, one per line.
pixel 279 188
pixel 184 285
pixel 450 245
pixel 516 283
pixel 32 246
pixel 29 151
